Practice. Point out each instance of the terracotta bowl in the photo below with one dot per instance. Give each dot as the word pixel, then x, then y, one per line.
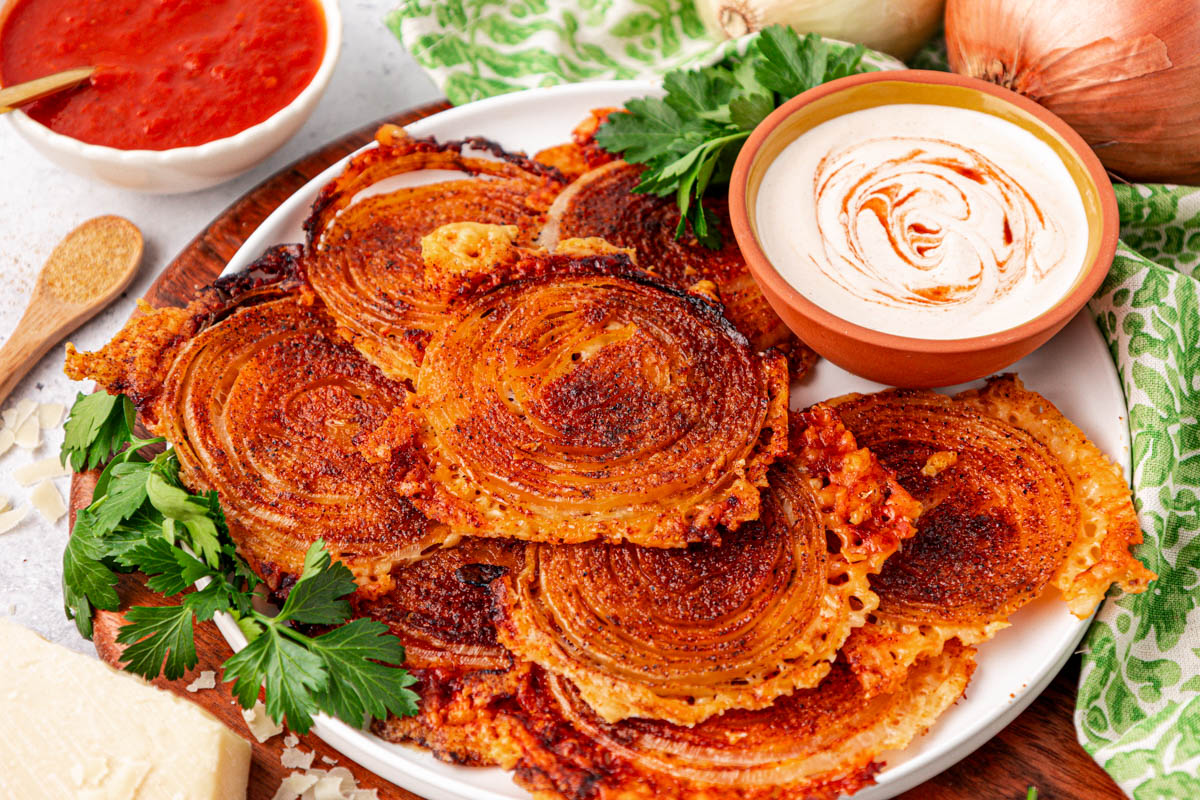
pixel 903 360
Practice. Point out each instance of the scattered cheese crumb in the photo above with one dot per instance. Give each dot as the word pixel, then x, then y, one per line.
pixel 939 461
pixel 295 758
pixel 260 723
pixel 207 679
pixel 291 740
pixel 9 416
pixel 27 434
pixel 6 440
pixel 328 760
pixel 48 501
pixel 365 794
pixel 10 519
pixel 50 414
pixel 293 785
pixel 49 467
pixel 3 503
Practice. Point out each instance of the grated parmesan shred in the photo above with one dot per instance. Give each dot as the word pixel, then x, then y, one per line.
pixel 260 723
pixel 207 679
pixel 49 467
pixel 10 519
pixel 48 501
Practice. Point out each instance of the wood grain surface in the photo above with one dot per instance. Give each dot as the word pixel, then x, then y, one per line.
pixel 1037 749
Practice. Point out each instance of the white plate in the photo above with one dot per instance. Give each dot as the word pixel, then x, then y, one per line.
pixel 1074 370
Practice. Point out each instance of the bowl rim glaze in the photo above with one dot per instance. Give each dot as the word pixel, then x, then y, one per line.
pixel 1091 275
pixel 206 151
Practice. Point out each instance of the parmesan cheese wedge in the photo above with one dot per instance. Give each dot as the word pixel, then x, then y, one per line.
pixel 74 727
pixel 6 440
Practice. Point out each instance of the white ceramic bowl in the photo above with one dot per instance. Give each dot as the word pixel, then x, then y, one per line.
pixel 188 169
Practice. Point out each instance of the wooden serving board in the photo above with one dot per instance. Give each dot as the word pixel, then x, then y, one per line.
pixel 1037 749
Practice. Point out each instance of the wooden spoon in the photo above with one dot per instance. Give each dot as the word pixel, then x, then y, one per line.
pixel 87 269
pixel 21 93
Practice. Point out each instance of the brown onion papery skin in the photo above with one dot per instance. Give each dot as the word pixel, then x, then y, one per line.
pixel 685 634
pixel 592 403
pixel 603 204
pixel 264 408
pixel 365 263
pixel 812 745
pixel 996 524
pixel 1125 74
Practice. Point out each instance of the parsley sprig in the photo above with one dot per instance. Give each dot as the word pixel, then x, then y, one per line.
pixel 143 519
pixel 689 139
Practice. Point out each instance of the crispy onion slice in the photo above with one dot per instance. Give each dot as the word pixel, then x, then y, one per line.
pixel 590 402
pixel 582 153
pixel 602 204
pixel 811 745
pixel 1015 499
pixel 441 609
pixel 365 257
pixel 264 407
pixel 684 634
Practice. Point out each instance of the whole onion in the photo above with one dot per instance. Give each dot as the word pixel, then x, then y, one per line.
pixel 1125 74
pixel 895 27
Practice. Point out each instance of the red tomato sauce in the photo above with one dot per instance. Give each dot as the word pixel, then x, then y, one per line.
pixel 171 73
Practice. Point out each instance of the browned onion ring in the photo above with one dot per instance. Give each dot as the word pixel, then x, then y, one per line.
pixel 365 259
pixel 684 634
pixel 812 745
pixel 602 204
pixel 265 407
pixel 591 402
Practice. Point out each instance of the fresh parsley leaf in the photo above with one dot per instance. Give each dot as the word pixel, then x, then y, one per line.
pixel 160 638
pixel 688 139
pixel 121 495
pixel 359 687
pixel 171 569
pixel 318 598
pixel 98 425
pixel 87 582
pixel 178 507
pixel 290 672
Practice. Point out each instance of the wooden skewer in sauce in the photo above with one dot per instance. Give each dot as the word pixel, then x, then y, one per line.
pixel 927 221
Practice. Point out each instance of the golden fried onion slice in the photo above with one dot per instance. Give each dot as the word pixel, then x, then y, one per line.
pixel 365 257
pixel 590 402
pixel 1015 499
pixel 263 402
pixel 602 203
pixel 684 634
pixel 441 610
pixel 811 745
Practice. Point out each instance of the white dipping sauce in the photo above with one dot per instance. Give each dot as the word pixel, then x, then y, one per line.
pixel 924 220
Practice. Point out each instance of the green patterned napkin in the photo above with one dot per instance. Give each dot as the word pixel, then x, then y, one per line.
pixel 1138 710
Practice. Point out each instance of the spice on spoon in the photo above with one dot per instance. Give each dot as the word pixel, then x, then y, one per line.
pixel 86 271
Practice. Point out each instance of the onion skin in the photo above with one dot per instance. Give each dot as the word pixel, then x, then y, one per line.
pixel 1125 74
pixel 894 27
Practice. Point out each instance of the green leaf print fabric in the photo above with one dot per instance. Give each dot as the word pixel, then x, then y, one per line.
pixel 1138 709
